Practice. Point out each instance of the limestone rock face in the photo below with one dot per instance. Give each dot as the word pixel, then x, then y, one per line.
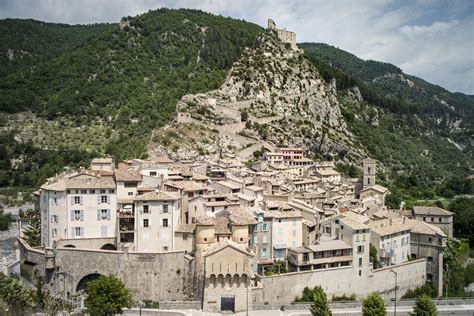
pixel 274 94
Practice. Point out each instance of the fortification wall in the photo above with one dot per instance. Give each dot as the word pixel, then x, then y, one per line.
pixel 282 289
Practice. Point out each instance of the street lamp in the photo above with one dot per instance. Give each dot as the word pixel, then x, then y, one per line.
pixel 140 306
pixel 396 279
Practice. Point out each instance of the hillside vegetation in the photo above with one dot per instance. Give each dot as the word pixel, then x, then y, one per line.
pixel 68 93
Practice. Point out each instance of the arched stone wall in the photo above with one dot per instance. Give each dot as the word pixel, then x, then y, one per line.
pixel 82 284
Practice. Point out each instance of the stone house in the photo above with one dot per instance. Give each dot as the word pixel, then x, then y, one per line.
pixel 391 237
pixel 157 217
pixel 434 216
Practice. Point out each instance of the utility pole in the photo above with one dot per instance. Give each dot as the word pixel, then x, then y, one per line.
pixel 396 279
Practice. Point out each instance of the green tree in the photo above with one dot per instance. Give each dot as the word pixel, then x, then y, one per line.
pixel 320 306
pixel 15 294
pixel 107 295
pixel 32 233
pixel 373 256
pixel 5 220
pixel 373 305
pixel 424 306
pixel 463 209
pixel 428 289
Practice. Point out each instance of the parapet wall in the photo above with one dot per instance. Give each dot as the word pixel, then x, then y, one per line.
pixel 284 288
pixel 150 276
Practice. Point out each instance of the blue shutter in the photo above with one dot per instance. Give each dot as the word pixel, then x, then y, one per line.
pixel 82 216
pixel 108 215
pixel 98 215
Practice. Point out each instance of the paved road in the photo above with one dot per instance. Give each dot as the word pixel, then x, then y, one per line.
pixel 443 310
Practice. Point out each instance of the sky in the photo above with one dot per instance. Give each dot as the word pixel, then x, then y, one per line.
pixel 431 39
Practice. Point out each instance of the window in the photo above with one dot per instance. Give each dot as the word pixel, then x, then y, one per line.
pixel 165 208
pixel 342 227
pixel 54 232
pixel 432 219
pixel 165 248
pixel 439 220
pixel 360 249
pixel 54 201
pixel 78 231
pixel 165 222
pixel 130 193
pixel 265 227
pixel 54 218
pixel 104 199
pixel 185 236
pixel 92 191
pixel 145 222
pixel 102 191
pixel 152 173
pixel 360 272
pixel 77 215
pixel 360 262
pixel 111 191
pixel 83 191
pixel 264 239
pixel 293 222
pixel 77 200
pixel 368 180
pixel 424 219
pixel 255 240
pixel 280 231
pixel 294 232
pixel 103 214
pixel 145 209
pixel 429 239
pixel 130 184
pixel 293 243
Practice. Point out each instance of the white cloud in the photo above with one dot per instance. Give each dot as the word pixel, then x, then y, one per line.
pixel 432 39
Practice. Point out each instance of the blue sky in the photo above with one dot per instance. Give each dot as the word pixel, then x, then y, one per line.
pixel 432 39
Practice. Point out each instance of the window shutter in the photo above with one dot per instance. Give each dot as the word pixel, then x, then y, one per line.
pixel 72 215
pixel 98 199
pixel 72 200
pixel 73 231
pixel 82 200
pixel 108 215
pixel 82 231
pixel 108 199
pixel 98 215
pixel 82 216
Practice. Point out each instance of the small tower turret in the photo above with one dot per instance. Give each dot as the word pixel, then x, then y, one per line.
pixel 369 172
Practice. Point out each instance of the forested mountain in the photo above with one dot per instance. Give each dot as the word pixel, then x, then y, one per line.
pixel 102 88
pixel 450 113
pixel 28 42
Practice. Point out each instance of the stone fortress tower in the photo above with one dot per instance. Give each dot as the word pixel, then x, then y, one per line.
pixel 369 172
pixel 284 35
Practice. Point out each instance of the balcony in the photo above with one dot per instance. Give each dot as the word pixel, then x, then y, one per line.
pixel 126 224
pixel 125 214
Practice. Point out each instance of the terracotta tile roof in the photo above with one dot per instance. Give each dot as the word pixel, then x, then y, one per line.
pixel 185 228
pixel 128 175
pixel 224 243
pixel 157 196
pixel 431 210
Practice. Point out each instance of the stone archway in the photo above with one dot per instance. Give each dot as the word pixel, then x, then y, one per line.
pixel 82 284
pixel 108 247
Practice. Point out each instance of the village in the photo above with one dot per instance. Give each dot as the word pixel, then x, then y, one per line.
pixel 218 235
